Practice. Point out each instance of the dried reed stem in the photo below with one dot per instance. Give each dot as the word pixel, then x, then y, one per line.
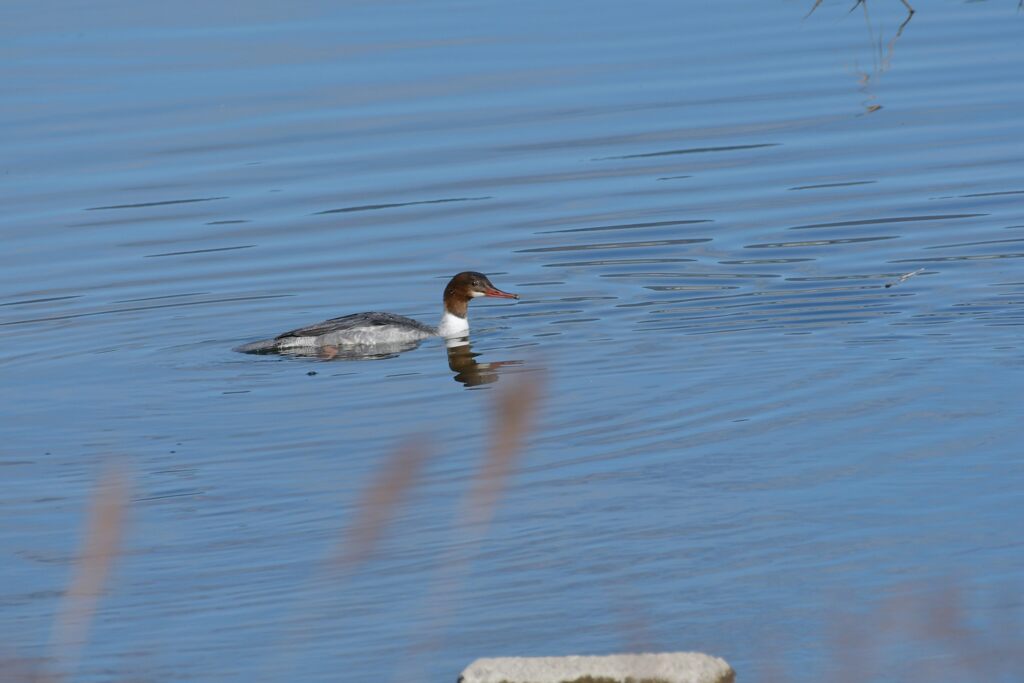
pixel 513 413
pixel 100 547
pixel 377 507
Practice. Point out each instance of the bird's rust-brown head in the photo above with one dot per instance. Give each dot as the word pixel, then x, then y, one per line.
pixel 469 285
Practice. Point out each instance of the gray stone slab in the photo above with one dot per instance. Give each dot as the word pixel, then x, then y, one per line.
pixel 669 667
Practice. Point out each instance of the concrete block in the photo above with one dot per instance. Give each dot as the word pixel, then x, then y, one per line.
pixel 669 667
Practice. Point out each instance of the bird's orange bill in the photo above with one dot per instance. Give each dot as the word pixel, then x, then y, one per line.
pixel 493 291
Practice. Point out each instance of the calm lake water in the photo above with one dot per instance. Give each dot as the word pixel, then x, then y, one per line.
pixel 746 435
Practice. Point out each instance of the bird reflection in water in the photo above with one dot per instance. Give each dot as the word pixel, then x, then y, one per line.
pixel 347 352
pixel 461 358
pixel 462 361
pixel 361 351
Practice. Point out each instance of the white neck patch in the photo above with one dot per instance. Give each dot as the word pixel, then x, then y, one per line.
pixel 453 326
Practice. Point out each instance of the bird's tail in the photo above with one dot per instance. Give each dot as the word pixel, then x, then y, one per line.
pixel 264 346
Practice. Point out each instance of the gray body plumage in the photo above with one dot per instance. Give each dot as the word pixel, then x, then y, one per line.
pixel 356 330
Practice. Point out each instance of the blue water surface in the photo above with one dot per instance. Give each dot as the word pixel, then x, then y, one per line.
pixel 751 434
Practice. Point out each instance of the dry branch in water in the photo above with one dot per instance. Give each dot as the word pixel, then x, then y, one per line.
pixel 899 32
pixel 903 278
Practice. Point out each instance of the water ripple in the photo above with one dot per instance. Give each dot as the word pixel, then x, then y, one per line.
pixel 825 185
pixel 200 251
pixel 893 219
pixel 614 245
pixel 692 150
pixel 376 207
pixel 144 308
pixel 627 226
pixel 161 203
pixel 820 243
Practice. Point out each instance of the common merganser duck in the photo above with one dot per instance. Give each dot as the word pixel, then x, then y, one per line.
pixel 385 330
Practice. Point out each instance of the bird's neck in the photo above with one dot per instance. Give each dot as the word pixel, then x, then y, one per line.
pixel 453 325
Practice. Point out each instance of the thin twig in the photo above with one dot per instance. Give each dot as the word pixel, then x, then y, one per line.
pixel 903 278
pixel 910 12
